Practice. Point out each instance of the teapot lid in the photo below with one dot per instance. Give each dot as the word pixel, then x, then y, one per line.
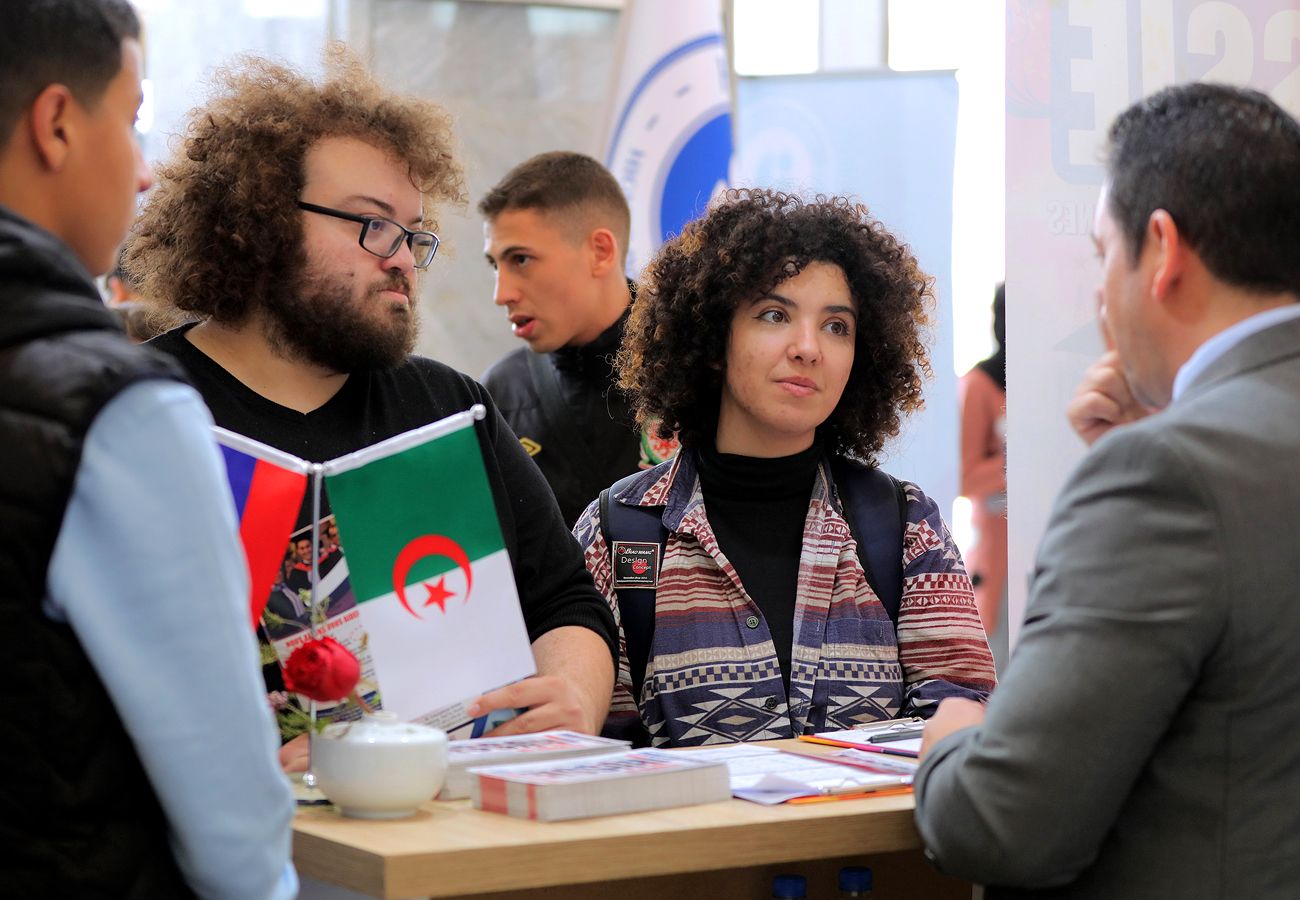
pixel 383 728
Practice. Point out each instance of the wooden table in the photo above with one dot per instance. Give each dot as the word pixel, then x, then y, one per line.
pixel 728 849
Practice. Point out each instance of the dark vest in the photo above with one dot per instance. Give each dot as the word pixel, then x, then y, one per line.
pixel 78 817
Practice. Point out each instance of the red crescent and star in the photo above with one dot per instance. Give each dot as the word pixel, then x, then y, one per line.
pixel 416 550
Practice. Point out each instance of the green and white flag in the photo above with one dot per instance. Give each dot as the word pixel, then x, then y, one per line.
pixel 430 570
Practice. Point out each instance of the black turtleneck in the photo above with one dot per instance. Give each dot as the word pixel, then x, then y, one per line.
pixel 757 508
pixel 593 364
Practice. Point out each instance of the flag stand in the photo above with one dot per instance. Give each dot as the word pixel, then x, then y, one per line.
pixel 309 777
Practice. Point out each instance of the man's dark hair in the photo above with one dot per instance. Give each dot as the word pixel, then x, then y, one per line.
pixel 1224 162
pixel 675 344
pixel 563 183
pixel 77 43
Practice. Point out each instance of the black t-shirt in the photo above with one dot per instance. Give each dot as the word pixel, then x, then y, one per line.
pixel 554 586
pixel 757 509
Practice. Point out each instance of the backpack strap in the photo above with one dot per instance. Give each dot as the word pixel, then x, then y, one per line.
pixel 876 499
pixel 622 524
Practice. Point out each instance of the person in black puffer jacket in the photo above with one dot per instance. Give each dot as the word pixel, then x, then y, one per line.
pixel 556 235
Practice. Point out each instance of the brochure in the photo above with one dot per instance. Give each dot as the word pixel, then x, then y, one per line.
pixel 897 737
pixel 770 776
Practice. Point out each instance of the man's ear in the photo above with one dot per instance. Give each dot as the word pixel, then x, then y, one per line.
pixel 50 120
pixel 1164 239
pixel 604 252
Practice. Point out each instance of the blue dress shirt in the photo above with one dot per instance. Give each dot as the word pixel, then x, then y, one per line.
pixel 1228 338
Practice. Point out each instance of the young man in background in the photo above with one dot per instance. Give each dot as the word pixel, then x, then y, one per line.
pixel 555 233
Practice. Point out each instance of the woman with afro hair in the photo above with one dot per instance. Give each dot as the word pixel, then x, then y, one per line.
pixel 775 337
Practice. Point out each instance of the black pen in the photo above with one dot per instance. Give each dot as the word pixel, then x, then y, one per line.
pixel 901 735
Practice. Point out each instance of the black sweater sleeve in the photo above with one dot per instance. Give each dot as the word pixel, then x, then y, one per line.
pixel 555 588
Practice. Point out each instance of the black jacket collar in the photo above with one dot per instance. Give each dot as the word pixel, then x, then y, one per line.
pixel 597 357
pixel 46 290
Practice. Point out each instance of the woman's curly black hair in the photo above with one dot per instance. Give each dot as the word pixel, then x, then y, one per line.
pixel 675 345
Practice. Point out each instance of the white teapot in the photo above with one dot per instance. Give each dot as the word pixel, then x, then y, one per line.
pixel 378 767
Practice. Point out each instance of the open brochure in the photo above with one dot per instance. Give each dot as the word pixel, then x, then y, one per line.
pixel 770 776
pixel 424 595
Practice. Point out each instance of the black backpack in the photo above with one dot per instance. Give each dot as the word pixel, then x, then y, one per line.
pixel 871 497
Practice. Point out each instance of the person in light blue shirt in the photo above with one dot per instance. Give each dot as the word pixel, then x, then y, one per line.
pixel 138 756
pixel 148 572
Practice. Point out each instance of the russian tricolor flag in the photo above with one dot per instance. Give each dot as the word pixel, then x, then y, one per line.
pixel 268 487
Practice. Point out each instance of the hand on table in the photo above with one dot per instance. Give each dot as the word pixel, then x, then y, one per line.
pixel 553 703
pixel 953 714
pixel 295 755
pixel 1103 400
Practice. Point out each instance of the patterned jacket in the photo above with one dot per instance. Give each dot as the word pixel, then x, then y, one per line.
pixel 712 675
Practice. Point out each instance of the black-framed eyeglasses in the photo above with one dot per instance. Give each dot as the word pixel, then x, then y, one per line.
pixel 384 237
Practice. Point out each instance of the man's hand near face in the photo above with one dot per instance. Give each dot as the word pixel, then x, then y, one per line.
pixel 1103 400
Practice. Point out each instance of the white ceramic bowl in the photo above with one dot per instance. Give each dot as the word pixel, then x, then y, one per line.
pixel 378 767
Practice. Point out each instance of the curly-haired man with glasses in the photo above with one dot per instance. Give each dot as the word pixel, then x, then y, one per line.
pixel 294 221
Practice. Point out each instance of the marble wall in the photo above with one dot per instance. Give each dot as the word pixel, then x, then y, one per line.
pixel 520 79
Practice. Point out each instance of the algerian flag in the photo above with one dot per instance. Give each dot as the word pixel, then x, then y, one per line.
pixel 430 570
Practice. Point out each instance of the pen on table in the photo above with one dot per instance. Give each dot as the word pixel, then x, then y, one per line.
pixel 900 735
pixel 889 724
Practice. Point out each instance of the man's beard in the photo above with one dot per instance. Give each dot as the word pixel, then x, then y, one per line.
pixel 322 324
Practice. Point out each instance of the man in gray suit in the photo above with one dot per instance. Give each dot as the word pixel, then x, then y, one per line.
pixel 1145 739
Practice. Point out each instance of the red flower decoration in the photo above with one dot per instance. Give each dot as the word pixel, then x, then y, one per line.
pixel 322 669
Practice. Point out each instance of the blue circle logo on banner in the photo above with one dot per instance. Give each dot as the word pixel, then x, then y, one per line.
pixel 671 148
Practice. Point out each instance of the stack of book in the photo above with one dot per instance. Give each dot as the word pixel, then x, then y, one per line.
pixel 545 746
pixel 610 784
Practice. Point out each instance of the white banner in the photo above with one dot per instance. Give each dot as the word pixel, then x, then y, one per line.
pixel 669 142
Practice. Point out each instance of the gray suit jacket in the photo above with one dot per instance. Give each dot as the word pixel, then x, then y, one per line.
pixel 1145 738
